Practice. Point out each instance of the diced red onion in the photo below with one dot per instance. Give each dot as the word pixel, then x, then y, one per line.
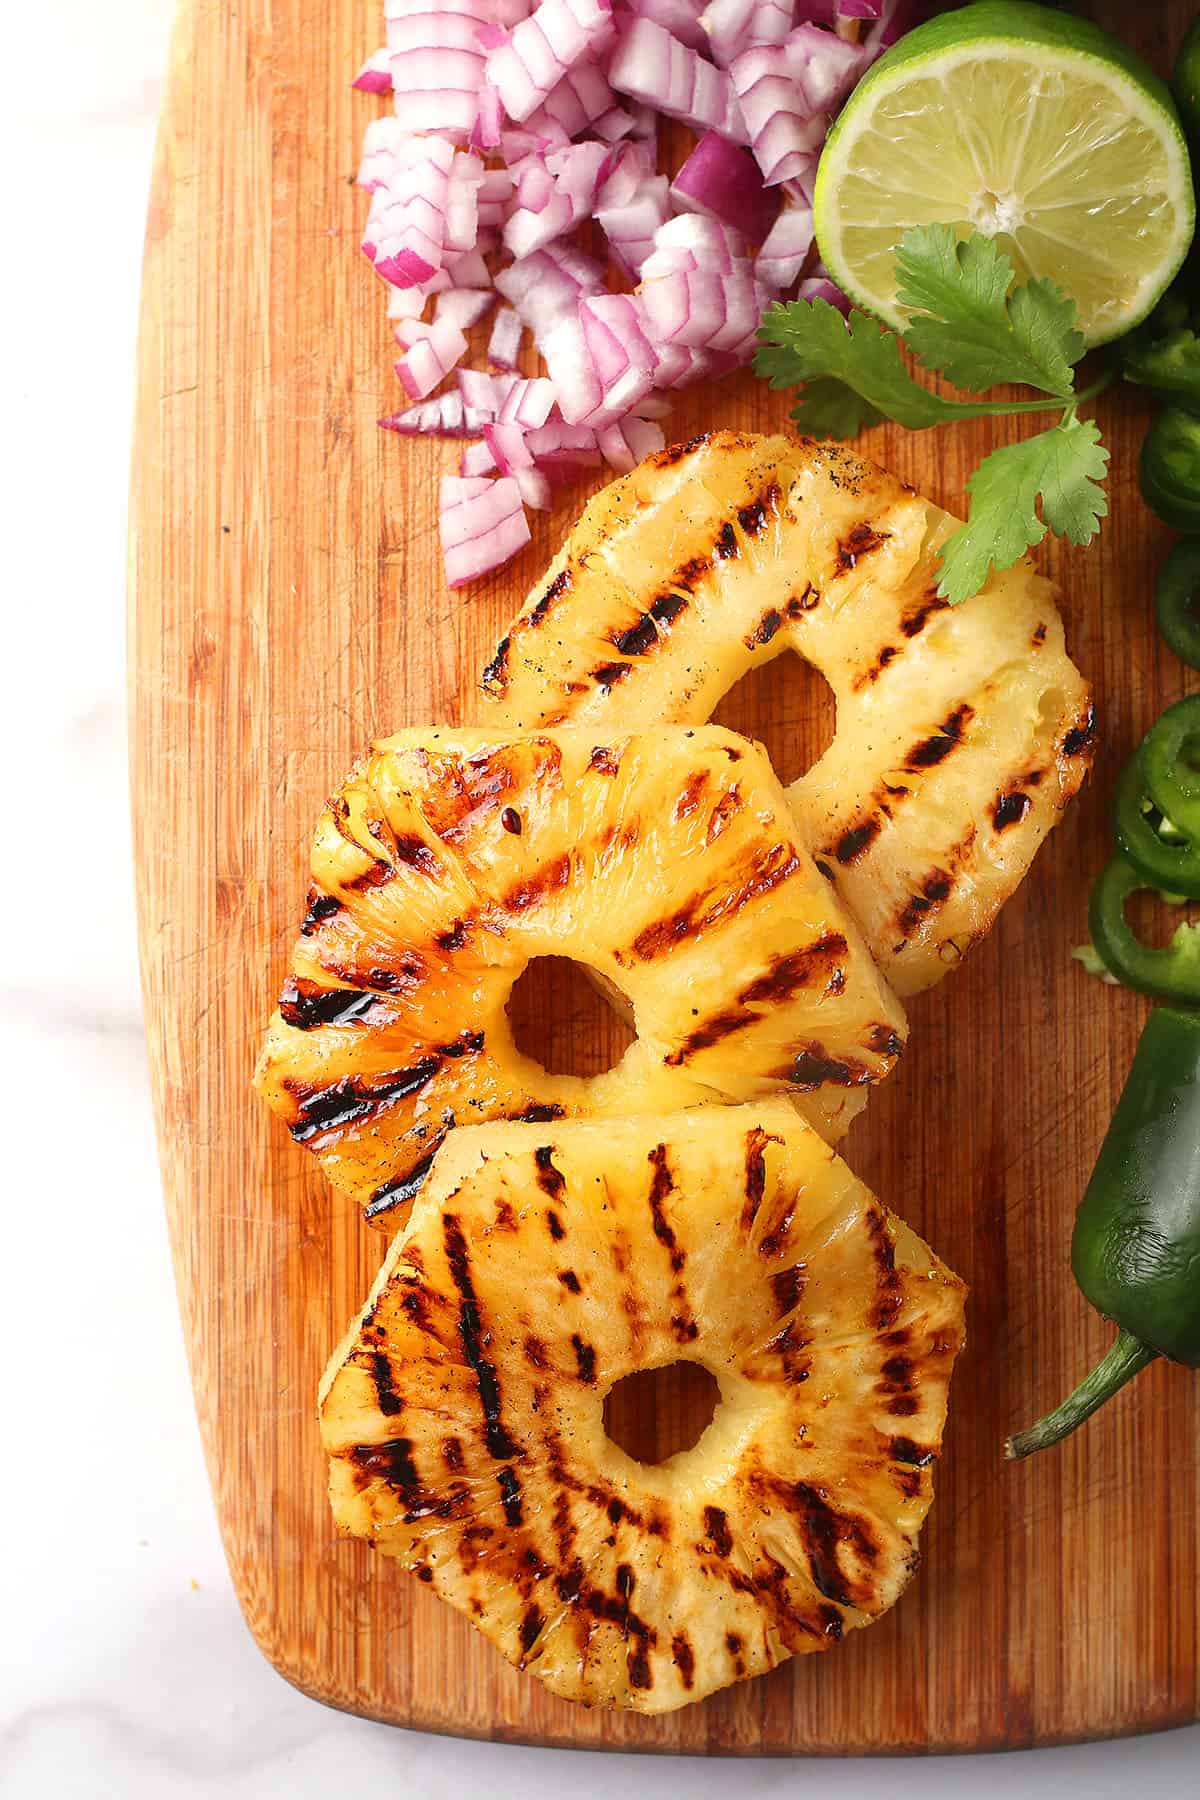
pixel 625 444
pixel 485 394
pixel 535 88
pixel 476 460
pixel 682 18
pixel 651 65
pixel 577 101
pixel 819 287
pixel 381 140
pixel 375 76
pixel 407 223
pixel 542 48
pixel 464 307
pixel 504 345
pixel 786 248
pixel 431 357
pixel 443 416
pixel 784 128
pixel 553 194
pixel 481 523
pixel 630 228
pixel 724 181
pixel 732 26
pixel 528 403
pixel 545 286
pixel 562 446
pixel 824 65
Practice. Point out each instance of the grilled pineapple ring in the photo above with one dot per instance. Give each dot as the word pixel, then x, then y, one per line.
pixel 669 863
pixel 961 732
pixel 463 1413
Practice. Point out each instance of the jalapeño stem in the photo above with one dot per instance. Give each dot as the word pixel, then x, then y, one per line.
pixel 1126 1359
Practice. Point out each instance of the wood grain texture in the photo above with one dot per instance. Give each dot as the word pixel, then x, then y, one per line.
pixel 288 605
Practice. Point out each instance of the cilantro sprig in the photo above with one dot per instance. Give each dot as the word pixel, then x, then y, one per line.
pixel 968 322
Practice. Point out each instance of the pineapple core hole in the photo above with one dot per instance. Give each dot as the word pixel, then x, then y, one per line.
pixel 562 1021
pixel 655 1413
pixel 788 706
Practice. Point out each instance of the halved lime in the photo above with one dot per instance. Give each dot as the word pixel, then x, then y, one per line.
pixel 1030 125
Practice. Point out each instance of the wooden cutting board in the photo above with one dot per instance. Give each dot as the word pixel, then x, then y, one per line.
pixel 288 605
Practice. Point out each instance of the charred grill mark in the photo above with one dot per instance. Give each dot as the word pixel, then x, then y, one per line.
pixel 824 869
pixel 852 843
pixel 510 1497
pixel 1082 735
pixel 785 978
pixel 787 1285
pixel 1039 636
pixel 495 676
pixel 756 1174
pixel 726 544
pixel 530 1629
pixel 305 1006
pixel 903 1450
pixel 674 453
pixel 814 1068
pixel 765 630
pixel 684 1658
pixel 403 1188
pixel 860 540
pixel 390 1463
pixel 603 761
pixel 455 938
pixel 535 1352
pixel 319 908
pixel 689 799
pixel 638 638
pixel 570 1281
pixel 386 1397
pixel 510 818
pixel 585 1359
pixel 935 889
pixel 662 1183
pixel 452 1454
pixel 348 1101
pixel 500 1445
pixel 868 677
pixel 554 591
pixel 1010 809
pixel 903 1406
pixel 551 878
pixel 767 870
pixel 825 1530
pixel 555 1225
pixel 539 1114
pixel 377 875
pixel 607 675
pixel 805 602
pixel 548 1178
pixel 727 807
pixel 888 1296
pixel 716 1528
pixel 928 752
pixel 753 518
pixel 884 1041
pixel 914 621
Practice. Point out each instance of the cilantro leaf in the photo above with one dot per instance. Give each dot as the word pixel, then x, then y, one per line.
pixel 829 409
pixel 1062 466
pixel 965 324
pixel 808 340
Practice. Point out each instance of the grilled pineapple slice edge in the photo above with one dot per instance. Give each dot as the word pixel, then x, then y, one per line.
pixel 667 861
pixel 463 1415
pixel 961 734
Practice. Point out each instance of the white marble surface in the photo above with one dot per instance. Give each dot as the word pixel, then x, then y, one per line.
pixel 125 1669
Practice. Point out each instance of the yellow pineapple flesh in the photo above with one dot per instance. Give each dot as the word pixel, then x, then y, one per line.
pixel 463 1413
pixel 961 732
pixel 668 862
